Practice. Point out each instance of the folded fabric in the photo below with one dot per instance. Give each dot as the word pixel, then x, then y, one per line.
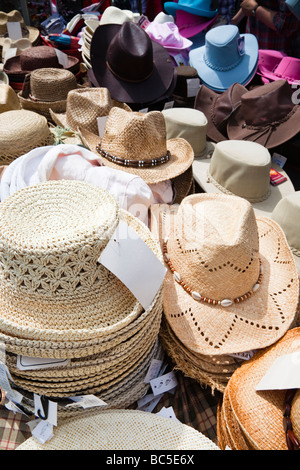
pixel 73 162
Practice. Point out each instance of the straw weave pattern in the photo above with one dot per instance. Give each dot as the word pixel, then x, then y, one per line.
pixel 51 84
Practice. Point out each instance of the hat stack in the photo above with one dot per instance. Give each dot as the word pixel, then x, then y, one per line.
pixel 253 419
pixel 28 32
pixel 231 285
pixel 59 301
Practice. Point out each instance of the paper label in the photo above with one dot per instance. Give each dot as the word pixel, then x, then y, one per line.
pixel 62 58
pixel 241 45
pixel 243 355
pixel 143 22
pixel 101 122
pixel 14 408
pixel 167 413
pixel 150 405
pixel 193 85
pixel 14 30
pixel 129 258
pixel 164 383
pixel 179 59
pixel 143 110
pixel 43 431
pixel 86 401
pixel 283 374
pixel 169 105
pixel 12 52
pixel 52 409
pixel 29 363
pixel 5 385
pixel 153 370
pixel 279 159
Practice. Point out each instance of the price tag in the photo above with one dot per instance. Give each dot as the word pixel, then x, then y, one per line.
pixel 101 122
pixel 193 85
pixel 14 30
pixel 164 383
pixel 283 374
pixel 167 413
pixel 30 363
pixel 153 370
pixel 62 58
pixel 86 401
pixel 43 431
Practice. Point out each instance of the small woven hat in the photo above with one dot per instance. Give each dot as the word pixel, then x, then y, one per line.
pixel 8 98
pixel 217 108
pixel 84 106
pixel 47 88
pixel 15 16
pixel 223 281
pixel 136 142
pixel 243 169
pixel 123 430
pixel 22 131
pixel 266 115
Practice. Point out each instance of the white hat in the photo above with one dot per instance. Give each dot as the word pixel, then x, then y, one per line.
pixel 114 15
pixel 162 17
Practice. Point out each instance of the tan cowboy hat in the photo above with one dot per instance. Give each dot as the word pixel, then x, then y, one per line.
pixel 226 268
pixel 136 142
pixel 15 16
pixel 243 169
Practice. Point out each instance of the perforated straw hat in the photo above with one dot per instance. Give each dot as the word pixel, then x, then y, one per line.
pixel 232 283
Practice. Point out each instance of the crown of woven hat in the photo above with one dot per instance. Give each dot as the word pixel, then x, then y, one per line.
pixel 214 247
pixel 8 98
pixel 13 16
pixel 51 84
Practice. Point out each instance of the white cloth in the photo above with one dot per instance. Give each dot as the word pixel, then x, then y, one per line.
pixel 73 162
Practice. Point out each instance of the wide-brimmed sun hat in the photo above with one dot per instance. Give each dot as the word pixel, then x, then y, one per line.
pixel 196 7
pixel 227 57
pixel 232 284
pixel 14 16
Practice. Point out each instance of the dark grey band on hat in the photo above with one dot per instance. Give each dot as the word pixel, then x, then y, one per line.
pixel 134 163
pixel 126 79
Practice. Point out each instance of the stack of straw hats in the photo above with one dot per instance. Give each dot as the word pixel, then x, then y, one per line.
pixel 231 285
pixel 58 301
pixel 250 419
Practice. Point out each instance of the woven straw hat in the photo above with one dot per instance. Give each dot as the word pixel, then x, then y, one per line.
pixel 15 16
pixel 83 108
pixel 48 264
pixel 232 283
pixel 8 98
pixel 18 44
pixel 47 88
pixel 252 419
pixel 22 131
pixel 132 141
pixel 243 169
pixel 123 430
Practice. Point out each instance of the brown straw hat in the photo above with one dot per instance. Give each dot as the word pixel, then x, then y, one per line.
pixel 47 88
pixel 136 142
pixel 232 284
pixel 22 131
pixel 14 16
pixel 267 115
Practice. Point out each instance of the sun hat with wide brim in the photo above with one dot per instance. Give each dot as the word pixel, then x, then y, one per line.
pixel 232 284
pixel 242 169
pixel 195 7
pixel 267 115
pixel 134 68
pixel 136 142
pixel 190 24
pixel 123 430
pixel 226 57
pixel 30 32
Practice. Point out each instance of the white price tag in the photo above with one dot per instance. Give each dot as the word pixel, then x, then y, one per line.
pixel 149 406
pixel 43 431
pixel 153 370
pixel 101 122
pixel 169 105
pixel 193 85
pixel 12 52
pixel 167 413
pixel 283 374
pixel 62 58
pixel 164 383
pixel 243 355
pixel 279 159
pixel 143 110
pixel 86 401
pixel 14 30
pixel 29 363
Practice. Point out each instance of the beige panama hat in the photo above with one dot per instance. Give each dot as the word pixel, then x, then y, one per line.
pixel 232 284
pixel 83 108
pixel 22 131
pixel 8 98
pixel 136 142
pixel 15 16
pixel 123 430
pixel 242 168
pixel 18 44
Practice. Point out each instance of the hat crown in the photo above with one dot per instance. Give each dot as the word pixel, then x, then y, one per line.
pixel 8 98
pixel 223 47
pixel 288 69
pixel 49 84
pixel 38 57
pixel 287 215
pixel 135 136
pixel 214 244
pixel 114 15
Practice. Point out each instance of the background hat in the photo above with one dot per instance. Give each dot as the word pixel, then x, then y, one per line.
pixel 15 16
pixel 162 17
pixel 145 72
pixel 168 35
pixel 8 98
pixel 217 108
pixel 214 251
pixel 196 7
pixel 287 68
pixel 266 115
pixel 133 141
pixel 19 44
pixel 267 61
pixel 190 24
pixel 183 94
pixel 294 6
pixel 243 169
pixel 115 15
pixel 226 58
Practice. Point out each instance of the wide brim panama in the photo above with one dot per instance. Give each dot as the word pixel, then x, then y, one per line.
pixel 146 91
pixel 181 158
pixel 172 7
pixel 221 80
pixel 33 36
pixel 263 208
pixel 123 430
pixel 255 323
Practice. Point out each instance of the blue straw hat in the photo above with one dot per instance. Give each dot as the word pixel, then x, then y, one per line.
pixel 196 7
pixel 226 58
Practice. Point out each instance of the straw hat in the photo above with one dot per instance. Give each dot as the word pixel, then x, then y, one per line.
pixel 136 142
pixel 245 407
pixel 243 169
pixel 123 430
pixel 232 283
pixel 18 44
pixel 21 131
pixel 115 15
pixel 15 16
pixel 47 88
pixel 8 99
pixel 84 106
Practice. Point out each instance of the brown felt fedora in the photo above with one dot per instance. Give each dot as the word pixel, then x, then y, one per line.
pixel 267 115
pixel 134 68
pixel 217 108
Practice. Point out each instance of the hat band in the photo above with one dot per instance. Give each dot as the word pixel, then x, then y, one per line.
pixel 201 298
pixel 127 79
pixel 134 163
pixel 219 68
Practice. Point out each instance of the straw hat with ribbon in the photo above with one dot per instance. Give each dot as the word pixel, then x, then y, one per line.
pixel 15 16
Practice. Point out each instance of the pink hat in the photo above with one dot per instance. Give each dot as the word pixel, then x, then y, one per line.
pixel 167 34
pixel 189 24
pixel 274 65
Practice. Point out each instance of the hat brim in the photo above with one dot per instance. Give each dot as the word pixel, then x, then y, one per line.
pixel 148 90
pixel 172 7
pixel 181 158
pixel 253 324
pixel 262 208
pixel 221 80
pixel 237 129
pixel 14 70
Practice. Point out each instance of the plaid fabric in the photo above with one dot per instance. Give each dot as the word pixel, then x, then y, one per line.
pixel 13 429
pixel 286 38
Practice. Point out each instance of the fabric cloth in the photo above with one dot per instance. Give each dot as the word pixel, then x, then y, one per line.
pixel 286 38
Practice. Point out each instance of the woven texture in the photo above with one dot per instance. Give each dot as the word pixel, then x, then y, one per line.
pixel 123 430
pixel 51 84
